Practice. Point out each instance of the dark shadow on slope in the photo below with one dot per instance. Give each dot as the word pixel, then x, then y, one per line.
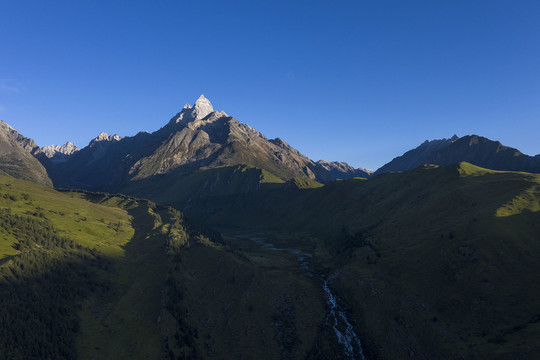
pixel 41 290
pixel 124 323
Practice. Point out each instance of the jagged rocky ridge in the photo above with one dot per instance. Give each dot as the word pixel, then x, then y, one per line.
pixel 196 137
pixel 339 170
pixel 59 153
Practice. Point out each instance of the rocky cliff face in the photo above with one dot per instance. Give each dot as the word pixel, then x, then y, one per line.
pixel 219 140
pixel 19 156
pixel 208 138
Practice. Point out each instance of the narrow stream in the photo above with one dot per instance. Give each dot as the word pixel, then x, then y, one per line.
pixel 336 318
pixel 342 327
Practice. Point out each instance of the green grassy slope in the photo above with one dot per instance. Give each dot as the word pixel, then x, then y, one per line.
pixel 112 277
pixel 243 306
pixel 435 269
pixel 437 262
pixel 432 262
pixel 55 250
pixel 180 292
pixel 81 270
pixel 89 225
pixel 41 289
pixel 190 189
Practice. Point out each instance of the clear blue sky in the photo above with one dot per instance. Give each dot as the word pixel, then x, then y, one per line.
pixel 356 81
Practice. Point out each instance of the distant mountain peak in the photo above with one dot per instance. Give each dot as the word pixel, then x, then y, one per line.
pixel 339 170
pixel 103 136
pixel 416 157
pixel 60 153
pixel 202 108
pixel 474 149
pixel 67 149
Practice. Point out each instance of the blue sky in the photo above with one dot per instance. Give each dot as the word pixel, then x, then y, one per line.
pixel 355 81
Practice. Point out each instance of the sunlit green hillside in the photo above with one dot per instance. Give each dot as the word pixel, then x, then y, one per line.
pixel 87 275
pixel 73 269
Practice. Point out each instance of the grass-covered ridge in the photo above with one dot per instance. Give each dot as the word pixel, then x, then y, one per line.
pixel 103 227
pixel 55 250
pixel 74 265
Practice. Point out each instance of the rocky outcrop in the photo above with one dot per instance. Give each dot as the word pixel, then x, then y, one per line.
pixel 59 153
pixel 19 156
pixel 201 109
pixel 104 137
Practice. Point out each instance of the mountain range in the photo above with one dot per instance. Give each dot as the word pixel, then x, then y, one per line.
pixel 196 137
pixel 433 256
pixel 200 138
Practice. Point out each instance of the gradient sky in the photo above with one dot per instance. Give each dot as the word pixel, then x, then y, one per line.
pixel 355 81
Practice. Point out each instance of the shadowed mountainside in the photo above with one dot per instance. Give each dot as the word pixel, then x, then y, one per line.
pixel 474 149
pixel 435 262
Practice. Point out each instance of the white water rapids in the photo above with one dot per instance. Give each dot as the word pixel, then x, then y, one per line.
pixel 336 318
pixel 342 327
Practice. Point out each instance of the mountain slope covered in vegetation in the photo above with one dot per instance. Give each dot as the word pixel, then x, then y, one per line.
pixel 109 276
pixel 438 262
